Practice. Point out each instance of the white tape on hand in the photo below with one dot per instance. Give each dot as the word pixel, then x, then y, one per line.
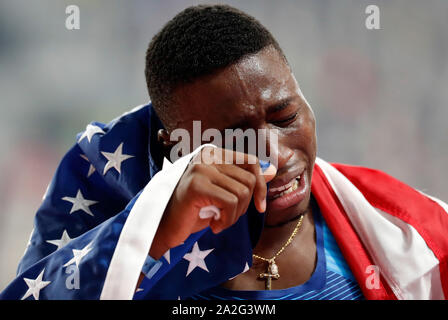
pixel 210 211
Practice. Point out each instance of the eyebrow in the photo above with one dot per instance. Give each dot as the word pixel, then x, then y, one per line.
pixel 280 106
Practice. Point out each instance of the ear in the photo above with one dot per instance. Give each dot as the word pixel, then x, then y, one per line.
pixel 164 137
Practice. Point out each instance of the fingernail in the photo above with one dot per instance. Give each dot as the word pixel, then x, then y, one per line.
pixel 263 205
pixel 271 170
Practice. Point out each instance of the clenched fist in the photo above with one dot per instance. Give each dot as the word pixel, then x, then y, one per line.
pixel 212 182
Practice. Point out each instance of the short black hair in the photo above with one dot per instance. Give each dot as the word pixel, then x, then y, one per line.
pixel 197 42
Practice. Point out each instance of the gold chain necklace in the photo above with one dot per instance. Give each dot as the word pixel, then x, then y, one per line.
pixel 272 269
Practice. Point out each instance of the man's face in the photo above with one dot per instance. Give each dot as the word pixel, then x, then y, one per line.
pixel 259 92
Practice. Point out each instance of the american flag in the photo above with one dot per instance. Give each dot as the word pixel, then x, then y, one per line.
pixel 94 229
pixel 80 225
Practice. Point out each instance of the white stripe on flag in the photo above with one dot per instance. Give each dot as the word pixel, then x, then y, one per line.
pixel 139 230
pixel 406 262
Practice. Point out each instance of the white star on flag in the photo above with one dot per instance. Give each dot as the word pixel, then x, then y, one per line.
pixel 166 255
pixel 80 203
pixel 35 285
pixel 78 255
pixel 196 258
pixel 90 131
pixel 91 167
pixel 246 268
pixel 115 159
pixel 61 242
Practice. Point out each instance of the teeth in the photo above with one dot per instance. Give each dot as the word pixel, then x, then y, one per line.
pixel 293 186
pixel 286 186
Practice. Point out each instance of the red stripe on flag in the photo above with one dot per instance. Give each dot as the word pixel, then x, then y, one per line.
pixel 404 202
pixel 348 241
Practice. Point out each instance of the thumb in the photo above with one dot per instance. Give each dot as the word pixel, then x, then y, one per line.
pixel 270 173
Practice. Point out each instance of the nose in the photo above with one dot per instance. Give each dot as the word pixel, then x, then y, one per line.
pixel 283 156
pixel 275 151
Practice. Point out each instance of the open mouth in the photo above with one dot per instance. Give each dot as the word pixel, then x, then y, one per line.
pixel 290 194
pixel 285 189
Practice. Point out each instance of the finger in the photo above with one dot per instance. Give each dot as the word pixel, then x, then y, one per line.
pixel 260 189
pixel 270 173
pixel 226 201
pixel 239 189
pixel 243 176
pixel 242 190
pixel 250 163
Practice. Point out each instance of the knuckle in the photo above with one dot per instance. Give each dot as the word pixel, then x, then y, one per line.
pixel 251 180
pixel 232 201
pixel 195 167
pixel 199 168
pixel 244 193
pixel 195 184
pixel 220 166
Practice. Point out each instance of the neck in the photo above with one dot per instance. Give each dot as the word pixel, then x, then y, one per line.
pixel 272 239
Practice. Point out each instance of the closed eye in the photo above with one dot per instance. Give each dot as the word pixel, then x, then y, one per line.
pixel 286 121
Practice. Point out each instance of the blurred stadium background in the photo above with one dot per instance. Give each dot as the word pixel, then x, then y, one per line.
pixel 380 96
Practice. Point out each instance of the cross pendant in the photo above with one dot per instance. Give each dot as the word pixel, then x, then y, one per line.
pixel 271 273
